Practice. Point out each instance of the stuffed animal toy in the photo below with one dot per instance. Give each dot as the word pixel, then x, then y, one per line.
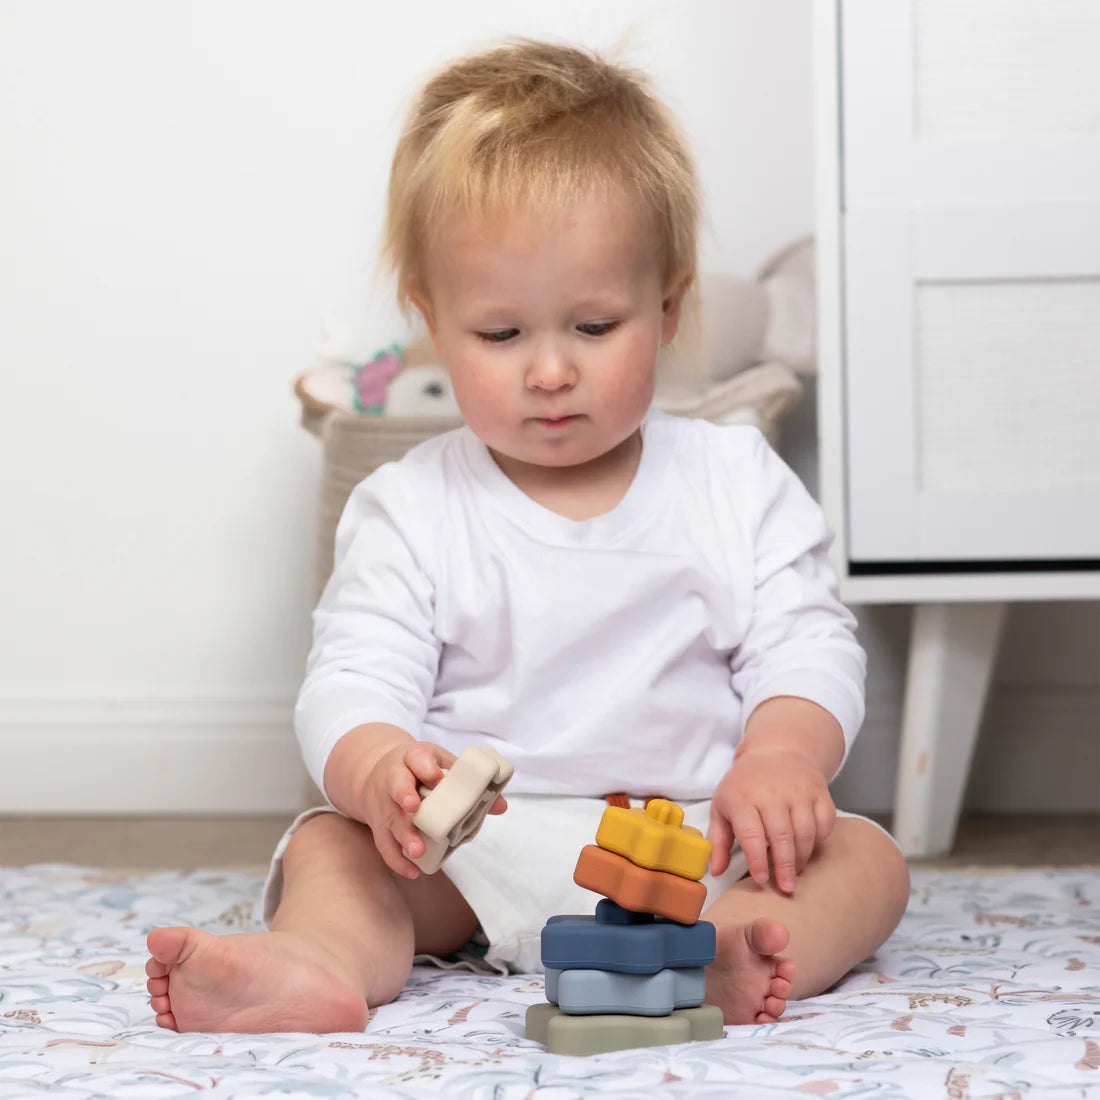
pixel 758 336
pixel 395 382
pixel 371 380
pixel 769 319
pixel 422 391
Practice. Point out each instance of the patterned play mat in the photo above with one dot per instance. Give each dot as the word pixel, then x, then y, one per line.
pixel 990 988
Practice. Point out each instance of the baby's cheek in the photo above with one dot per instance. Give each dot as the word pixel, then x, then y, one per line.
pixel 473 390
pixel 637 371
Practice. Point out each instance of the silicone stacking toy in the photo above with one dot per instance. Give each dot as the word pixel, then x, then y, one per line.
pixel 634 887
pixel 590 943
pixel 453 810
pixel 633 974
pixel 588 992
pixel 561 1033
pixel 656 838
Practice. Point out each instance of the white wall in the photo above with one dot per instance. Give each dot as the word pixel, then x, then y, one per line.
pixel 190 196
pixel 189 202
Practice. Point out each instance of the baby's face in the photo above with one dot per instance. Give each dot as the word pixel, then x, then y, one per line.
pixel 551 328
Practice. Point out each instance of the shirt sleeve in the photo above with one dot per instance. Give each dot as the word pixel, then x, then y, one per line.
pixel 374 656
pixel 801 639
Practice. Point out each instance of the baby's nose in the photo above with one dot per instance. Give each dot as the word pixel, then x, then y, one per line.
pixel 551 368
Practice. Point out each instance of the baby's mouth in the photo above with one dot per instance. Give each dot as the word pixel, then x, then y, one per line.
pixel 557 421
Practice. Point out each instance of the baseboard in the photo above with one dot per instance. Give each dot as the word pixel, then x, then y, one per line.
pixel 137 756
pixel 1037 754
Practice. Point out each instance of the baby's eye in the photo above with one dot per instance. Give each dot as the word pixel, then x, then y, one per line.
pixel 598 328
pixel 498 336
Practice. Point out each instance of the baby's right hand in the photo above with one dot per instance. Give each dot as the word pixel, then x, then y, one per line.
pixel 392 797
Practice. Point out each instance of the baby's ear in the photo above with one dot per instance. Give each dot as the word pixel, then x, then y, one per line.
pixel 672 300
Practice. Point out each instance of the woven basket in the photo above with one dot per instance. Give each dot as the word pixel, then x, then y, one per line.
pixel 352 446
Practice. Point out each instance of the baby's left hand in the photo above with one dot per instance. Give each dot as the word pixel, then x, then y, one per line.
pixel 770 800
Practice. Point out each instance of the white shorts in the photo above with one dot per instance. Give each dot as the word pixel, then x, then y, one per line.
pixel 518 872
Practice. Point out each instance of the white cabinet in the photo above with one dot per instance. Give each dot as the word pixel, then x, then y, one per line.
pixel 958 191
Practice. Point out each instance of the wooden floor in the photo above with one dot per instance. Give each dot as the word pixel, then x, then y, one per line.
pixel 186 843
pixel 141 842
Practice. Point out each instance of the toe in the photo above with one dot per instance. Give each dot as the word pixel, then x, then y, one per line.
pixel 780 987
pixel 160 1004
pixel 766 936
pixel 775 1006
pixel 170 946
pixel 166 1019
pixel 786 969
pixel 158 987
pixel 154 968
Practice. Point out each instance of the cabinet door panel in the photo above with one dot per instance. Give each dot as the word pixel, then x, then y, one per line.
pixel 946 102
pixel 971 283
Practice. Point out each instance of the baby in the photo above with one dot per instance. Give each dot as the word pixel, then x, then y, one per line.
pixel 614 599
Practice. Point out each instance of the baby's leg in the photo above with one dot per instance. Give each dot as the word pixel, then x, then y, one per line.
pixel 848 900
pixel 342 938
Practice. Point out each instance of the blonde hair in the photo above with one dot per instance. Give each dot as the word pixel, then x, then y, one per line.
pixel 530 126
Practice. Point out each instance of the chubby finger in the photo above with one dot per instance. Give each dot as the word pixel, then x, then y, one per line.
pixel 399 826
pixel 824 815
pixel 389 848
pixel 804 826
pixel 404 791
pixel 427 761
pixel 780 833
pixel 749 832
pixel 720 835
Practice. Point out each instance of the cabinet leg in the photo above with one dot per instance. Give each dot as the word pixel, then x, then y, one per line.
pixel 951 655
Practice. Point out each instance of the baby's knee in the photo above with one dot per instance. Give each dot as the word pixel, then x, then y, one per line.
pixel 322 826
pixel 877 854
pixel 324 838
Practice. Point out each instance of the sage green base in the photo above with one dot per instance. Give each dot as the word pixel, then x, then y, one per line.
pixel 564 1034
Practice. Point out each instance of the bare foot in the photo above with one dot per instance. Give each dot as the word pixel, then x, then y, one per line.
pixel 249 982
pixel 748 980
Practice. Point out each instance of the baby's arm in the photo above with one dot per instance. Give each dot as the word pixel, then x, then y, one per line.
pixel 777 791
pixel 372 668
pixel 799 673
pixel 373 774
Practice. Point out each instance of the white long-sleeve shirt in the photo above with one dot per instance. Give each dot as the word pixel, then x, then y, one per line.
pixel 619 653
